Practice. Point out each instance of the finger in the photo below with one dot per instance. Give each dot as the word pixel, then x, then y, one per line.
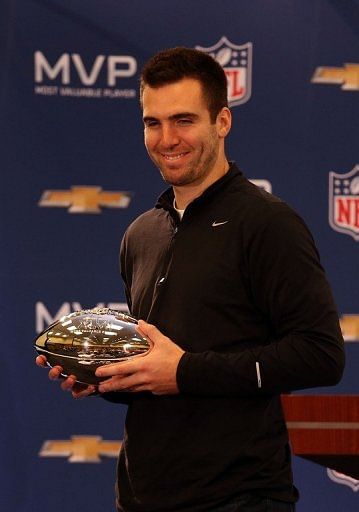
pixel 55 372
pixel 147 338
pixel 122 369
pixel 121 383
pixel 68 383
pixel 41 361
pixel 137 389
pixel 82 391
pixel 140 332
pixel 144 326
pixel 150 331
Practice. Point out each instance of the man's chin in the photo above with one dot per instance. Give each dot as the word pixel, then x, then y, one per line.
pixel 177 182
pixel 177 179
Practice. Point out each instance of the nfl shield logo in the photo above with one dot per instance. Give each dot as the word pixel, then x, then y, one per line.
pixel 237 64
pixel 344 202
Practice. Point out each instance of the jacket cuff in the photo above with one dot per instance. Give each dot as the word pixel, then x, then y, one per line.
pixel 213 374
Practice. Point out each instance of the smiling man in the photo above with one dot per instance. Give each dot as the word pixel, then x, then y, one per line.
pixel 228 285
pixel 182 139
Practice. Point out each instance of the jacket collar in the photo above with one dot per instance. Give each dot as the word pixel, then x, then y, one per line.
pixel 165 200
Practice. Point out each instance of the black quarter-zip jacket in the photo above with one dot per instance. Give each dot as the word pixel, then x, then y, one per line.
pixel 237 283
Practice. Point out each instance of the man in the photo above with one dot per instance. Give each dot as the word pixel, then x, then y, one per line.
pixel 236 305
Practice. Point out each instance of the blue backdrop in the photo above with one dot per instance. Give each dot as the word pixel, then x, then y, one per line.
pixel 69 117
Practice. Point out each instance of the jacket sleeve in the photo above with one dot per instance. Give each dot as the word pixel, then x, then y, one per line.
pixel 289 287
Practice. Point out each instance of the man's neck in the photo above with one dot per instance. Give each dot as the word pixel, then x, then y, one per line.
pixel 185 194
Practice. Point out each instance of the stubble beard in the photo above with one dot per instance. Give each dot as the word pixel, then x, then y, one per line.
pixel 196 171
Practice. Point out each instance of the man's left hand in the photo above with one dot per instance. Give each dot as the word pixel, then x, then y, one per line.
pixel 155 372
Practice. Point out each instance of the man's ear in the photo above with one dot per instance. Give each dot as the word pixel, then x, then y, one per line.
pixel 224 122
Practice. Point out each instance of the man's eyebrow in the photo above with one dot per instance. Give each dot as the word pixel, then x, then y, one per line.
pixel 174 117
pixel 191 115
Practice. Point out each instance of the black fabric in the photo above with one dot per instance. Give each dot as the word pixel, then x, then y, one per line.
pixel 239 286
pixel 255 503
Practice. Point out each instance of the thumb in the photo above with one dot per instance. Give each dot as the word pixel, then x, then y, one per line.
pixel 150 331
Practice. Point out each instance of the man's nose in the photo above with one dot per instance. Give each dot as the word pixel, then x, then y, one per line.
pixel 169 136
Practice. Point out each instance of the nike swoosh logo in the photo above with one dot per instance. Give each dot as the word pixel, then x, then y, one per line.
pixel 214 224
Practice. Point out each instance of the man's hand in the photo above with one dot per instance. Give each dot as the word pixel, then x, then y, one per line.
pixel 155 372
pixel 69 383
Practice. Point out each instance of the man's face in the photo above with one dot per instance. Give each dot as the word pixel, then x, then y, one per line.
pixel 179 135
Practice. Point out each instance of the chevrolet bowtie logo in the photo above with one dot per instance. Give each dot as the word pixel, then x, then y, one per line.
pixel 85 199
pixel 81 449
pixel 347 76
pixel 349 325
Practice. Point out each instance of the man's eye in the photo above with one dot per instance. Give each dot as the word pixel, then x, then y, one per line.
pixel 185 121
pixel 151 124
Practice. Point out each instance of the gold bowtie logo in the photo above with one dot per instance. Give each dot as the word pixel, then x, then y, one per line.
pixel 85 199
pixel 349 325
pixel 81 449
pixel 347 76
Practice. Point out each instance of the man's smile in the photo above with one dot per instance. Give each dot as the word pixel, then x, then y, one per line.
pixel 171 156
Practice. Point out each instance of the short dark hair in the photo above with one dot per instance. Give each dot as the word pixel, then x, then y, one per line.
pixel 174 64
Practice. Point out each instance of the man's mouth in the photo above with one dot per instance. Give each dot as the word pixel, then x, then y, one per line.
pixel 173 157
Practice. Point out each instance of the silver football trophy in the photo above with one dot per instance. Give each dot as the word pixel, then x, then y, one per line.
pixel 84 340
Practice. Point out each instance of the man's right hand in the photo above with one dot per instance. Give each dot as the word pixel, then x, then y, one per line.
pixel 69 383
